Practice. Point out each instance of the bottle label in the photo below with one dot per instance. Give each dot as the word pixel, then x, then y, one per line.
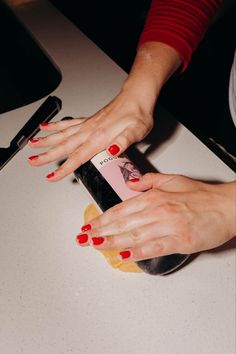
pixel 117 171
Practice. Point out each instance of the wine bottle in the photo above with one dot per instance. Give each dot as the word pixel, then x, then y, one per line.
pixel 105 178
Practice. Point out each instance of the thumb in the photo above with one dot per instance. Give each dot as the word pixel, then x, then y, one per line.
pixel 151 180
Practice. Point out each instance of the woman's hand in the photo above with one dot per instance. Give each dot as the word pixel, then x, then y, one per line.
pixel 127 119
pixel 114 128
pixel 175 214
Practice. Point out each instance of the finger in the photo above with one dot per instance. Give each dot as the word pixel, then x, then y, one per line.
pixel 121 211
pixel 122 141
pixel 79 147
pixel 61 124
pixel 151 180
pixel 66 147
pixel 150 206
pixel 135 237
pixel 165 182
pixel 75 159
pixel 123 225
pixel 163 246
pixel 54 139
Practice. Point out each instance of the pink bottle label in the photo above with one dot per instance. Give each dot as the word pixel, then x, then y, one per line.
pixel 117 171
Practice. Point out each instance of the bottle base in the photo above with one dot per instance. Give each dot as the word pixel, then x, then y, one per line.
pixel 163 265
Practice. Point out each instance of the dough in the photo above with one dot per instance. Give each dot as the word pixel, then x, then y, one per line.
pixel 92 212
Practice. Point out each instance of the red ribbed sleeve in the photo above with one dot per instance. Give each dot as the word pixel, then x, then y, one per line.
pixel 179 23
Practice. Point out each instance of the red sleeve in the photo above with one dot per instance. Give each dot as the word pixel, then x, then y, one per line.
pixel 179 23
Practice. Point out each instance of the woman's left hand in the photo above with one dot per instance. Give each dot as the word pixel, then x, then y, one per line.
pixel 174 214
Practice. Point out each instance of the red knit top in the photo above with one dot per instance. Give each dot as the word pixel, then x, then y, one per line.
pixel 179 23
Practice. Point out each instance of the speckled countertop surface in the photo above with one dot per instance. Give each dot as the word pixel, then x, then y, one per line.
pixel 56 298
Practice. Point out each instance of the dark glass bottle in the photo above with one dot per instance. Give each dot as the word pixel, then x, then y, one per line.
pixel 105 179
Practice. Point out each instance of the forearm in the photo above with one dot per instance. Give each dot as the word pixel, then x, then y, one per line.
pixel 179 23
pixel 228 192
pixel 154 63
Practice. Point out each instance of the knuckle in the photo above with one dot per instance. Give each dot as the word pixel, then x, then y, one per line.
pixel 145 125
pixel 151 195
pixel 111 242
pixel 135 236
pixel 117 209
pixel 191 244
pixel 62 171
pixel 125 139
pixel 187 242
pixel 57 125
pixel 98 135
pixel 149 176
pixel 119 226
pixel 159 248
pixel 167 208
pixel 43 157
pixel 138 129
pixel 67 167
pixel 62 134
pixel 74 159
pixel 170 207
pixel 138 254
pixel 44 140
pixel 65 144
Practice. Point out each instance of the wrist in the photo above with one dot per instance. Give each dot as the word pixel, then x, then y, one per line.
pixel 228 192
pixel 160 59
pixel 143 92
pixel 154 63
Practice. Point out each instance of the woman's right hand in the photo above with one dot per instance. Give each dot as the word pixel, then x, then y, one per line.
pixel 114 128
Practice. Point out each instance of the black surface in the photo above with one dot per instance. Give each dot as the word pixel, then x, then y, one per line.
pixel 27 74
pixel 44 113
pixel 115 26
pixel 199 97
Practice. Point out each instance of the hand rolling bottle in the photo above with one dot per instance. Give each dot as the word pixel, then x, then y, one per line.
pixel 105 178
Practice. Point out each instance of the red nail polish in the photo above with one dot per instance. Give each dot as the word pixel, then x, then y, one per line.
pixel 50 175
pixel 34 157
pixel 82 238
pixel 125 254
pixel 113 149
pixel 34 140
pixel 97 240
pixel 44 124
pixel 86 228
pixel 134 180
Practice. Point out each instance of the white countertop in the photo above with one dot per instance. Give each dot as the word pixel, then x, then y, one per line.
pixel 57 298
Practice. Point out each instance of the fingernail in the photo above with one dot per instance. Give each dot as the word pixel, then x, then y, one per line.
pixel 97 240
pixel 134 180
pixel 113 149
pixel 50 175
pixel 34 157
pixel 82 238
pixel 44 124
pixel 34 140
pixel 86 227
pixel 125 254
